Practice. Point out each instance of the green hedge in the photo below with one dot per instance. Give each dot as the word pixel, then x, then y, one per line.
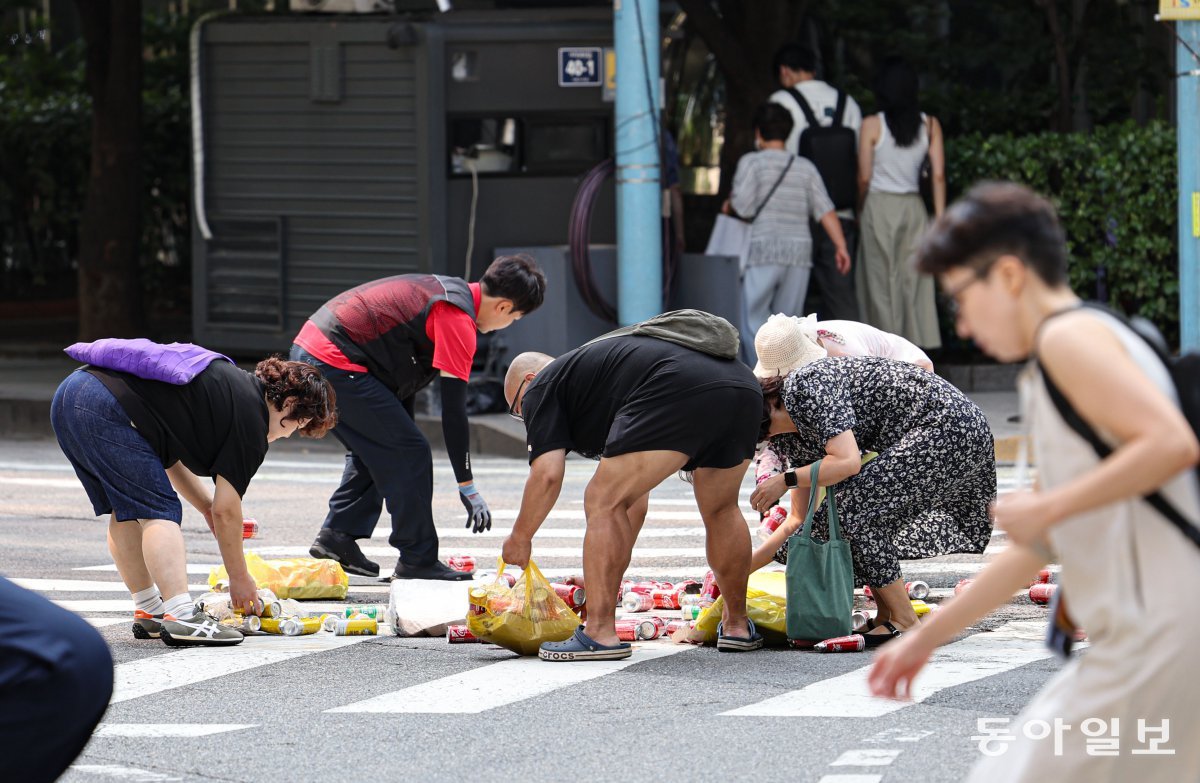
pixel 1115 189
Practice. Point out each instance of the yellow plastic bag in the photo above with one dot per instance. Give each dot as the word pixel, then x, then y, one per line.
pixel 300 578
pixel 767 612
pixel 521 617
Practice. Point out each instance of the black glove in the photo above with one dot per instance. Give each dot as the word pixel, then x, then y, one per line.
pixel 479 517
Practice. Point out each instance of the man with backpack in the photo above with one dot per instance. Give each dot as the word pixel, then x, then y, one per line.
pixel 647 401
pixel 825 128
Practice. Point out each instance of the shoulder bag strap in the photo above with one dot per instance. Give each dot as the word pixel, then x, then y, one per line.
pixel 840 110
pixel 1103 450
pixel 806 530
pixel 770 193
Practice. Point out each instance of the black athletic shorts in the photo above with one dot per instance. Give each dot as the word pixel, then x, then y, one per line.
pixel 715 428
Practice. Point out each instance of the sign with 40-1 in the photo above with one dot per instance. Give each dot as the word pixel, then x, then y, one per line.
pixel 579 66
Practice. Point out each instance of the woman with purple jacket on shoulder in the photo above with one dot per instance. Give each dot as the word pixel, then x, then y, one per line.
pixel 140 423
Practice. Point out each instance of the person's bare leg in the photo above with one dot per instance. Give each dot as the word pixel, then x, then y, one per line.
pixel 164 555
pixel 893 603
pixel 615 504
pixel 727 540
pixel 125 546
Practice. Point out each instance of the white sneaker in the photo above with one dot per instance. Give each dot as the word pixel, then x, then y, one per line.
pixel 199 629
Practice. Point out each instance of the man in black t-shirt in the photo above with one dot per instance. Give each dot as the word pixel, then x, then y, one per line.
pixel 646 408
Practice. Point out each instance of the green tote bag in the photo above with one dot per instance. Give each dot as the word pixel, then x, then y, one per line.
pixel 820 577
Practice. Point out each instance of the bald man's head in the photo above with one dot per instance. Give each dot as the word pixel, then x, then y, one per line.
pixel 523 368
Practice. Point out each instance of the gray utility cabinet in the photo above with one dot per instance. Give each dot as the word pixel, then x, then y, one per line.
pixel 335 150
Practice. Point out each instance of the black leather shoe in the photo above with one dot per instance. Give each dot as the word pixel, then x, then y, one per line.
pixel 339 547
pixel 435 570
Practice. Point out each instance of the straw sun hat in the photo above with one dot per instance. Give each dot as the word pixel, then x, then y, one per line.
pixel 783 346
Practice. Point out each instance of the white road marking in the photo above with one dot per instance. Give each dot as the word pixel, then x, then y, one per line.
pixel 97 605
pixel 539 552
pixel 40 482
pixel 192 568
pixel 900 735
pixel 166 729
pixel 82 586
pixel 979 655
pixel 499 684
pixel 104 622
pixel 545 533
pixel 867 757
pixel 122 772
pixel 174 669
pixel 850 779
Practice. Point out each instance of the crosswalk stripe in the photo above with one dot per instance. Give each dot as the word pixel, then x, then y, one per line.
pixel 850 779
pixel 498 684
pixel 104 622
pixel 492 551
pixel 166 729
pixel 866 757
pixel 500 533
pixel 979 655
pixel 123 772
pixel 147 676
pixel 82 585
pixel 96 605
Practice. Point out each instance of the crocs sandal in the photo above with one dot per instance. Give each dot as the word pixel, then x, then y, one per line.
pixel 876 639
pixel 738 643
pixel 581 647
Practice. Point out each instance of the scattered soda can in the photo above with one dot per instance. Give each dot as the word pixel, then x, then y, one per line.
pixel 709 588
pixel 636 630
pixel 665 599
pixel 918 591
pixel 677 625
pixel 689 599
pixel 963 584
pixel 271 609
pixel 626 586
pixel 461 562
pixel 251 623
pixel 859 617
pixel 573 596
pixel 1043 578
pixel 855 642
pixel 660 624
pixel 367 611
pixel 460 634
pixel 867 593
pixel 249 528
pixel 689 586
pixel 693 612
pixel 270 625
pixel 1042 593
pixel 646 588
pixel 637 602
pixel 920 607
pixel 355 626
pixel 299 626
pixel 773 520
pixel 328 622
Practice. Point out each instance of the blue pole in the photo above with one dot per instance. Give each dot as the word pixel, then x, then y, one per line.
pixel 639 193
pixel 1187 94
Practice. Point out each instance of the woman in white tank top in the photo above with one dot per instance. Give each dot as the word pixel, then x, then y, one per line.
pixel 892 146
pixel 1000 255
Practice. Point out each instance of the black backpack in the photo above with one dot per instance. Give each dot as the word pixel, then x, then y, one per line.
pixel 833 150
pixel 1185 375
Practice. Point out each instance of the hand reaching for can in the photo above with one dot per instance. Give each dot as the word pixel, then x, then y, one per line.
pixel 243 594
pixel 766 494
pixel 896 665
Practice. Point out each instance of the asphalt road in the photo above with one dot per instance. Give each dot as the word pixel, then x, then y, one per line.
pixel 386 708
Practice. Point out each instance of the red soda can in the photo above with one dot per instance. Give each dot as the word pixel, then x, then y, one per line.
pixel 659 624
pixel 709 588
pixel 665 585
pixel 1044 576
pixel 1042 593
pixel 637 602
pixel 643 587
pixel 689 586
pixel 460 634
pixel 852 643
pixel 963 584
pixel 917 591
pixel 665 599
pixel 461 562
pixel 249 528
pixel 676 625
pixel 773 520
pixel 626 586
pixel 572 595
pixel 636 630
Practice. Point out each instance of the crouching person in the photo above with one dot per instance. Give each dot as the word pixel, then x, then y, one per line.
pixel 135 440
pixel 647 408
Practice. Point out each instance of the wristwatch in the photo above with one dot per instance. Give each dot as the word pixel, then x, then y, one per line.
pixel 789 479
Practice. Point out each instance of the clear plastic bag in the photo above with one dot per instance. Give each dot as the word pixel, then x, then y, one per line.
pixel 520 618
pixel 302 578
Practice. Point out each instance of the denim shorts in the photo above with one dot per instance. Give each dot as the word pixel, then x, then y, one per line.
pixel 119 471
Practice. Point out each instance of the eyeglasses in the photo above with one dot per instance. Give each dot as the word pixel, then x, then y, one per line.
pixel 512 406
pixel 978 272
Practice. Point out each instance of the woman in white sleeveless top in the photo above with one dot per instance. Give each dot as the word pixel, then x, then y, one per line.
pixel 892 147
pixel 1000 254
